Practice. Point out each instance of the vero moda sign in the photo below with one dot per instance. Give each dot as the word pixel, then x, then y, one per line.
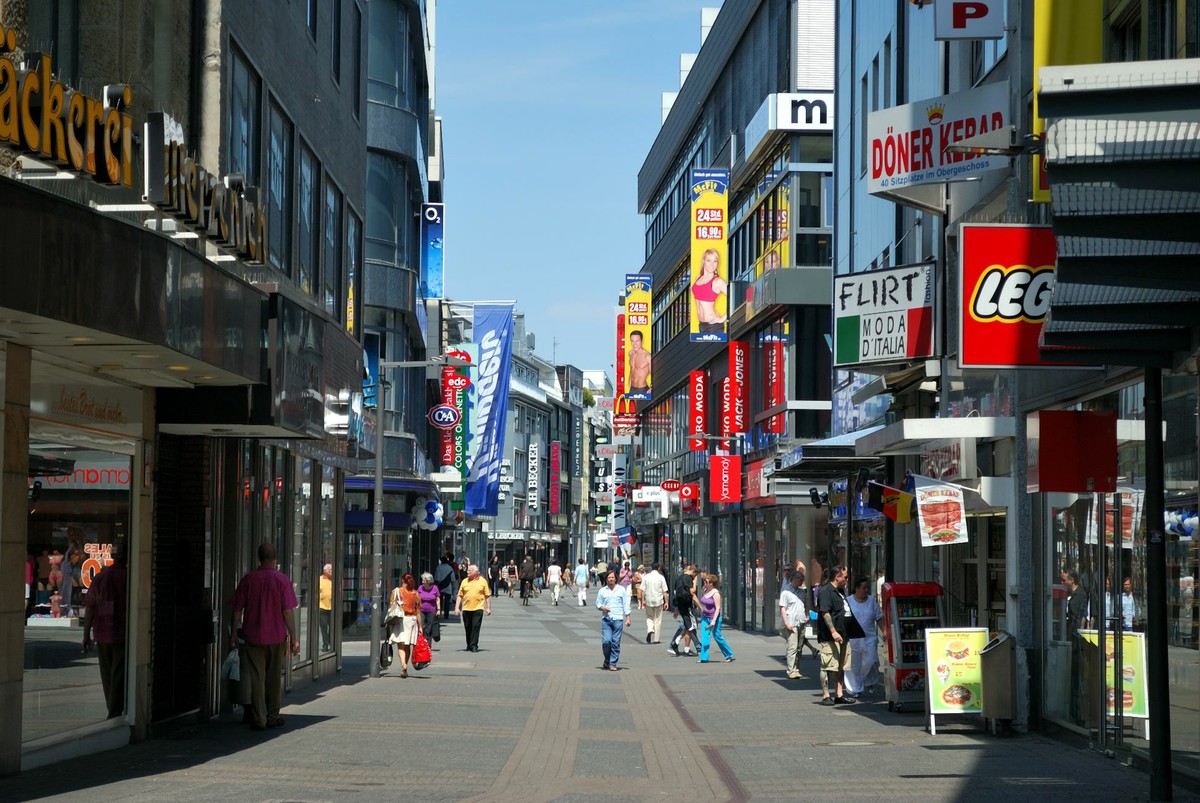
pixel 494 335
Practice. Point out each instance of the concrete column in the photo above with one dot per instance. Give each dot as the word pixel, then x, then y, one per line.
pixel 141 562
pixel 14 529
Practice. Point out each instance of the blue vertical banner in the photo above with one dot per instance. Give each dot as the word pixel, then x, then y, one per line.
pixel 493 329
pixel 432 270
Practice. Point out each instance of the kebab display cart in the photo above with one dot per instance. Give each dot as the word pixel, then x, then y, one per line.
pixel 908 610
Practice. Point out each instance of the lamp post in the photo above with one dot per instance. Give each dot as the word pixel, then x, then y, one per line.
pixel 377 528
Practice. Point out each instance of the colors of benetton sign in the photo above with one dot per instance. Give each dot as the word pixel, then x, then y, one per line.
pixel 883 316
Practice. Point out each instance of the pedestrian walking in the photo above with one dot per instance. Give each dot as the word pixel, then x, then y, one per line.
pixel 682 593
pixel 474 602
pixel 794 616
pixel 325 606
pixel 527 574
pixel 495 567
pixel 832 610
pixel 656 595
pixel 710 620
pixel 446 578
pixel 612 601
pixel 581 581
pixel 431 607
pixel 264 610
pixel 402 632
pixel 863 674
pixel 554 578
pixel 510 573
pixel 104 619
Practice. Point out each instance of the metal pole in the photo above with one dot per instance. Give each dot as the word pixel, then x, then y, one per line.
pixel 1156 595
pixel 377 533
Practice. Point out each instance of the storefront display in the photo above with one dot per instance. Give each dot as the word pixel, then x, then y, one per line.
pixel 909 609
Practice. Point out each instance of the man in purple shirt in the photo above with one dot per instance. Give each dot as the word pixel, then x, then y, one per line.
pixel 264 608
pixel 104 626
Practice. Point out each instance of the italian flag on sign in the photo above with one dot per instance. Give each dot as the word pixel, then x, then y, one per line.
pixel 883 336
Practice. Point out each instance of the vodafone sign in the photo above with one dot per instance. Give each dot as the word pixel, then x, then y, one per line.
pixel 698 412
pixel 1006 281
pixel 725 478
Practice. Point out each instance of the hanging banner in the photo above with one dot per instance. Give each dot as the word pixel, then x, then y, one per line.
pixel 1134 694
pixel 940 512
pixel 620 482
pixel 450 396
pixel 555 475
pixel 725 478
pixel 432 271
pixel 493 335
pixel 776 384
pixel 533 475
pixel 709 256
pixel 637 341
pixel 698 414
pixel 621 386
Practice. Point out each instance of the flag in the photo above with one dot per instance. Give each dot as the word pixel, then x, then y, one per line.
pixel 494 335
pixel 891 502
pixel 626 536
pixel 941 514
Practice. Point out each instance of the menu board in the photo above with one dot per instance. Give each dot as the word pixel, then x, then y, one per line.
pixel 1133 672
pixel 954 674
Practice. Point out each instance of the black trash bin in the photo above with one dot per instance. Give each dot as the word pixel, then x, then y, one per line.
pixel 999 669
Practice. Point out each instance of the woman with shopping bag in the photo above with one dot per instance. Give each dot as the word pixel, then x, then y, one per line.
pixel 404 620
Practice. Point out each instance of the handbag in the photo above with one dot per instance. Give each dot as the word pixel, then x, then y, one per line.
pixel 385 654
pixel 422 655
pixel 395 611
pixel 437 628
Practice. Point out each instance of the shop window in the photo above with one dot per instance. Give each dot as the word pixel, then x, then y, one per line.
pixel 331 267
pixel 300 567
pixel 244 114
pixel 356 56
pixel 326 594
pixel 310 18
pixel 353 272
pixel 387 53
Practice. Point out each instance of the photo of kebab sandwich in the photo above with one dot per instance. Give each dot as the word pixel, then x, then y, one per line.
pixel 957 695
pixel 942 520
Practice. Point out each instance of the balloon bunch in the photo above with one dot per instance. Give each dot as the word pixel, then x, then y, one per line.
pixel 1183 523
pixel 427 514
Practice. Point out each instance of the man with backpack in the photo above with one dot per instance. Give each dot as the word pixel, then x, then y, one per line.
pixel 682 593
pixel 446 579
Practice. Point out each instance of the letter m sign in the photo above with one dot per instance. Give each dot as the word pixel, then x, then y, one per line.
pixel 968 19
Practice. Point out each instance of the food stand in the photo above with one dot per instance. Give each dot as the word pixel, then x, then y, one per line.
pixel 909 609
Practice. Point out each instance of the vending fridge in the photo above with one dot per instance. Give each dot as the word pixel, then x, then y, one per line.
pixel 908 608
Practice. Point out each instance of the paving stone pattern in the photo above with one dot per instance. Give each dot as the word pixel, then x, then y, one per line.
pixel 533 717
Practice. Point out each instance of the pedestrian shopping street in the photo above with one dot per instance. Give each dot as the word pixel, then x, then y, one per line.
pixel 532 717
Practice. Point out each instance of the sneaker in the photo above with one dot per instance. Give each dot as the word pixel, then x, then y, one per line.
pixel 688 651
pixel 794 676
pixel 648 635
pixel 671 648
pixel 274 722
pixel 827 701
pixel 730 660
pixel 845 701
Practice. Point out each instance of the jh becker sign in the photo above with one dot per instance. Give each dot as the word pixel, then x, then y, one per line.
pixel 1007 279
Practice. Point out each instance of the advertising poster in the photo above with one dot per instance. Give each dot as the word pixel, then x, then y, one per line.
pixel 954 674
pixel 710 268
pixel 883 316
pixel 940 513
pixel 621 385
pixel 1135 702
pixel 432 271
pixel 555 475
pixel 638 341
pixel 1006 279
pixel 494 336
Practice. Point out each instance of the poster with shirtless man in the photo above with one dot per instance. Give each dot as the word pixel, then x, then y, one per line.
pixel 638 336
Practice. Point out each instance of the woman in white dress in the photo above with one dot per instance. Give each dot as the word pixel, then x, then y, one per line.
pixel 864 652
pixel 402 632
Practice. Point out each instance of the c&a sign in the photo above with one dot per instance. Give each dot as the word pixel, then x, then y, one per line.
pixel 1006 281
pixel 40 115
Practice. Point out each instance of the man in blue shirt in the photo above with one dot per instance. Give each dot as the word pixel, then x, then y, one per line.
pixel 613 602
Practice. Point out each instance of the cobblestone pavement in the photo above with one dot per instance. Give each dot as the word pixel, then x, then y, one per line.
pixel 532 717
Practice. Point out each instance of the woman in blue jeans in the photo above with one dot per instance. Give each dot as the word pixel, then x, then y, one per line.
pixel 710 620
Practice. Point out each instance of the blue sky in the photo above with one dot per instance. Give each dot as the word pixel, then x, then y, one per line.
pixel 549 108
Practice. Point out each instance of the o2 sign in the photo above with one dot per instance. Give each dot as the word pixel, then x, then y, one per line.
pixel 444 416
pixel 968 19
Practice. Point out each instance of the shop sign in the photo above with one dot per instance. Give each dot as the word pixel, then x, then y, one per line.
pixel 577 444
pixel 952 459
pixel 725 478
pixel 1006 276
pixel 228 213
pixel 97 406
pixel 620 353
pixel 733 391
pixel 883 316
pixel 533 487
pixel 955 678
pixel 788 111
pixel 433 228
pixel 671 486
pixel 689 492
pixel 968 19
pixel 105 476
pixel 555 475
pixel 620 478
pixel 1071 451
pixel 776 384
pixel 607 450
pixel 698 415
pixel 1134 692
pixel 452 385
pixel 648 494
pixel 758 483
pixel 908 143
pixel 42 116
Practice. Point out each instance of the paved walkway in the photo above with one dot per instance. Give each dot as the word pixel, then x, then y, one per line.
pixel 531 717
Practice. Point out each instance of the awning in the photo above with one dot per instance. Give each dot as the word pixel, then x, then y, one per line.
pixel 1122 154
pixel 912 435
pixel 826 460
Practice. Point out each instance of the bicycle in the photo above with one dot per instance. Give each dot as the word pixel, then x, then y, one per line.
pixel 526 591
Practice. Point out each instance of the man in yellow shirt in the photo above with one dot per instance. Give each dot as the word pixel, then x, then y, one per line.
pixel 325 603
pixel 474 600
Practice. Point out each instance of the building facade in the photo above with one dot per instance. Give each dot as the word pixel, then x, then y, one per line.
pixel 179 343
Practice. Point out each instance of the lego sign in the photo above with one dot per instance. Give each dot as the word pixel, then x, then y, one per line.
pixel 968 19
pixel 1006 281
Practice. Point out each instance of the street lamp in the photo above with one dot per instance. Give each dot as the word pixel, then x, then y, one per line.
pixel 377 529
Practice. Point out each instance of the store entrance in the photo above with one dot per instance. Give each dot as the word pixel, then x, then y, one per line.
pixel 978 575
